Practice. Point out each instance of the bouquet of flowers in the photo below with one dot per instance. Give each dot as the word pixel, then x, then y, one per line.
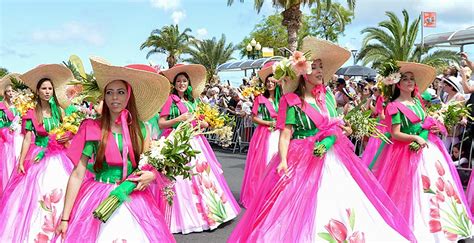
pixel 363 125
pixel 389 74
pixel 24 100
pixel 169 156
pixel 297 64
pixel 219 124
pixel 255 89
pixel 450 114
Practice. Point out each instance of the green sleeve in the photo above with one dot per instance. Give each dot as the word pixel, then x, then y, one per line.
pixel 70 109
pixel 143 129
pixel 29 125
pixel 396 119
pixel 424 134
pixel 291 116
pixel 3 120
pixel 90 148
pixel 328 142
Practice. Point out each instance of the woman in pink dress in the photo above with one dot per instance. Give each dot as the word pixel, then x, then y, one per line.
pixel 114 143
pixel 264 143
pixel 327 196
pixel 204 201
pixel 10 131
pixel 422 182
pixel 34 194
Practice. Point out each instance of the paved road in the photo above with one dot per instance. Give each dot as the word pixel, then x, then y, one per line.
pixel 233 166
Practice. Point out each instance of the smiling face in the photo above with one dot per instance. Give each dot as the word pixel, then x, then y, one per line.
pixel 407 82
pixel 116 96
pixel 181 83
pixel 316 76
pixel 46 90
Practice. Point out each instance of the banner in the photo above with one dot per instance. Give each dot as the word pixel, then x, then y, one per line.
pixel 267 52
pixel 429 19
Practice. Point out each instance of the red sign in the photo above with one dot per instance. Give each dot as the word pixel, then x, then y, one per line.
pixel 429 19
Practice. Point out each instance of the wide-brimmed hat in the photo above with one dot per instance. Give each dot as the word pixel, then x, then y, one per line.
pixel 331 55
pixel 455 82
pixel 424 74
pixel 196 73
pixel 57 73
pixel 266 70
pixel 7 80
pixel 150 89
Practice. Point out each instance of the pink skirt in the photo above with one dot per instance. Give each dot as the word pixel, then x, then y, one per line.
pixel 32 203
pixel 10 147
pixel 203 202
pixel 321 199
pixel 262 148
pixel 426 189
pixel 137 220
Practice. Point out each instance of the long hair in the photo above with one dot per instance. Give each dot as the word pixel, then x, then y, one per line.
pixel 396 91
pixel 175 92
pixel 136 136
pixel 267 92
pixel 39 107
pixel 5 92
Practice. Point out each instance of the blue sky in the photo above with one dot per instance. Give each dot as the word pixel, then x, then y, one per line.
pixel 36 32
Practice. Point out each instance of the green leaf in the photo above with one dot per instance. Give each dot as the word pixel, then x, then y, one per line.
pixel 327 236
pixel 352 219
pixel 43 206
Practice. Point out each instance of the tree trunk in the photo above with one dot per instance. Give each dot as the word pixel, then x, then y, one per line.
pixel 292 21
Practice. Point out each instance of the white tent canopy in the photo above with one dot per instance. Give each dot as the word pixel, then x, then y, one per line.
pixel 454 38
pixel 246 64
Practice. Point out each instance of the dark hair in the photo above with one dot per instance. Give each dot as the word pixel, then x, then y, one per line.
pixel 136 135
pixel 267 92
pixel 175 92
pixel 396 93
pixel 39 108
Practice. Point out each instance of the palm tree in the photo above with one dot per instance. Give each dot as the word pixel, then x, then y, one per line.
pixel 394 40
pixel 292 14
pixel 210 53
pixel 168 40
pixel 3 72
pixel 329 20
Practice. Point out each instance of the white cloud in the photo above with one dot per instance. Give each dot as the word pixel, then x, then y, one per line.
pixel 165 4
pixel 201 33
pixel 177 16
pixel 70 32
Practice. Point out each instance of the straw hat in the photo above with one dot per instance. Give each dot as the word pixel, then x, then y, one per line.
pixel 58 74
pixel 424 74
pixel 266 70
pixel 7 80
pixel 332 56
pixel 196 73
pixel 150 89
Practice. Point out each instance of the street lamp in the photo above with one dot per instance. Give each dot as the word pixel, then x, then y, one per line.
pixel 354 56
pixel 253 49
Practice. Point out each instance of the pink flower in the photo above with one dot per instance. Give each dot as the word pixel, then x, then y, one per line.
pixel 426 182
pixel 434 202
pixel 41 238
pixel 450 236
pixel 206 182
pixel 195 189
pixel 214 188
pixel 337 230
pixel 223 198
pixel 200 167
pixel 210 221
pixel 456 198
pixel 349 212
pixel 302 67
pixel 435 226
pixel 434 213
pixel 439 168
pixel 199 208
pixel 439 196
pixel 56 195
pixel 49 225
pixel 46 201
pixel 440 184
pixel 357 237
pixel 449 189
pixel 297 56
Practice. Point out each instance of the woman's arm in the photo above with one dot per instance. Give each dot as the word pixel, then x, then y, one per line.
pixel 163 123
pixel 283 143
pixel 262 122
pixel 73 186
pixel 403 137
pixel 24 150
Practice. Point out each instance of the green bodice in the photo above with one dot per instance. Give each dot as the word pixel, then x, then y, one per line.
pixel 174 111
pixel 406 126
pixel 264 113
pixel 4 122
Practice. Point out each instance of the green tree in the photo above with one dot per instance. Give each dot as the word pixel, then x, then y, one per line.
pixel 271 33
pixel 328 20
pixel 3 72
pixel 292 15
pixel 394 39
pixel 169 41
pixel 210 53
